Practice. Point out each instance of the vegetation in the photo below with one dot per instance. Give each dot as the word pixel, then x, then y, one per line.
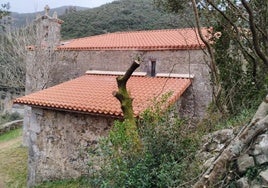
pixel 13 157
pixel 169 153
pixel 12 58
pixel 123 15
pixel 165 160
pixel 71 183
pixel 10 135
pixel 239 66
pixel 20 20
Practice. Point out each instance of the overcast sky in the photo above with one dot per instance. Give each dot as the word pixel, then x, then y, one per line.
pixel 27 6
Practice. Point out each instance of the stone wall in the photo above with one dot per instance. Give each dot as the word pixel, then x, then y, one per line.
pixel 59 141
pixel 10 126
pixel 41 61
pixel 250 169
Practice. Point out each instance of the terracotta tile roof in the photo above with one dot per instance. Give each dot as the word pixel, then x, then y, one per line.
pixel 169 39
pixel 93 94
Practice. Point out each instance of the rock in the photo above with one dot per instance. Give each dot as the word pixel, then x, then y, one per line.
pixel 261 149
pixel 217 140
pixel 256 186
pixel 264 176
pixel 210 146
pixel 244 162
pixel 223 135
pixel 262 145
pixel 209 162
pixel 261 159
pixel 242 183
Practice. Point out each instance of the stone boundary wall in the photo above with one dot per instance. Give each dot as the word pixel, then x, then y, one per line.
pixel 251 167
pixel 10 126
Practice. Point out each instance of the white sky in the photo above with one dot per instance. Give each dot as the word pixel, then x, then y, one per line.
pixel 28 6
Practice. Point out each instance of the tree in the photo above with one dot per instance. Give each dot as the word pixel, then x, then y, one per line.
pixel 243 47
pixel 12 57
pixel 4 10
pixel 241 51
pixel 126 105
pixel 240 55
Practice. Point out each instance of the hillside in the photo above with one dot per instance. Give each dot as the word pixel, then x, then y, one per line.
pixel 122 15
pixel 21 19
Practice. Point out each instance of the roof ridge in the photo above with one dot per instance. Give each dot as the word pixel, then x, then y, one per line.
pixel 120 73
pixel 139 31
pixel 113 73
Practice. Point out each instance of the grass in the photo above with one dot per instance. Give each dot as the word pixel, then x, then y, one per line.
pixel 10 135
pixel 13 157
pixel 71 183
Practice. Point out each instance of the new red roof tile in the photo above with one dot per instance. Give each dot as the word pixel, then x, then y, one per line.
pixel 169 39
pixel 93 94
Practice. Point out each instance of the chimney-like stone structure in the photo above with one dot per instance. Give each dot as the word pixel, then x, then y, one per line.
pixel 40 60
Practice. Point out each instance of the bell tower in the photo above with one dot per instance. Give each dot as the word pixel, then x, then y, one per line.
pixel 48 30
pixel 41 60
pixel 41 55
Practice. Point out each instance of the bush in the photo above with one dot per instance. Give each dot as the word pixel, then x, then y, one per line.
pixel 168 150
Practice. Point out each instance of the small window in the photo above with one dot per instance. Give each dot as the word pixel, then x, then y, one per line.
pixel 151 68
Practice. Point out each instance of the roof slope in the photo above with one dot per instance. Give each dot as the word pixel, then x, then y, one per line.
pixel 169 39
pixel 93 94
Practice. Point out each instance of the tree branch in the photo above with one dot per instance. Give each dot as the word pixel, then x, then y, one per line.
pixel 122 80
pixel 254 33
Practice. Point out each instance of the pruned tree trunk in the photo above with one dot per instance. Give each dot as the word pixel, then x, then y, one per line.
pixel 126 105
pixel 122 94
pixel 258 125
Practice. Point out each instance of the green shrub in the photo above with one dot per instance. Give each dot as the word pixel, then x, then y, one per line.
pixel 168 149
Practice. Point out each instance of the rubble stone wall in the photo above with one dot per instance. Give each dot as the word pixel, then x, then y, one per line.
pixel 251 167
pixel 59 143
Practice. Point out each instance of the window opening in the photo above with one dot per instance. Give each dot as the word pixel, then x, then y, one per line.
pixel 153 68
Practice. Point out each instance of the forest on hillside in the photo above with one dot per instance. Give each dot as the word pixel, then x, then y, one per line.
pixel 19 20
pixel 124 15
pixel 120 15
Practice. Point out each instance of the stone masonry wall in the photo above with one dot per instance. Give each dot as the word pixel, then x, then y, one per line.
pixel 59 142
pixel 250 169
pixel 76 63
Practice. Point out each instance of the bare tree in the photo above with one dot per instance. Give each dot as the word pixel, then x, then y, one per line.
pixel 12 57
